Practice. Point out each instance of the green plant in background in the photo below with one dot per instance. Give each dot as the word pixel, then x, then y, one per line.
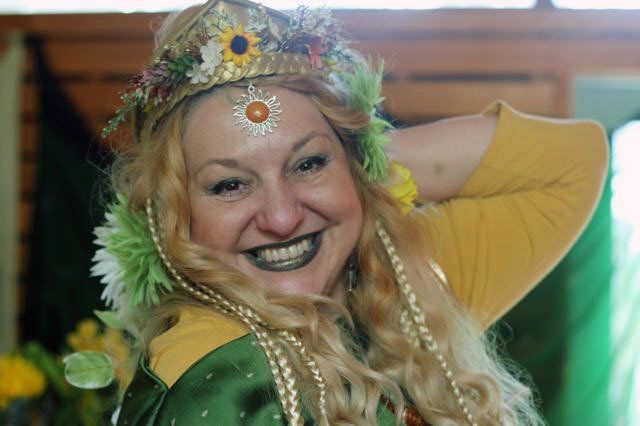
pixel 38 387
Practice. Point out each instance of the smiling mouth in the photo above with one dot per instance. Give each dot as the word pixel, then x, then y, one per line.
pixel 286 256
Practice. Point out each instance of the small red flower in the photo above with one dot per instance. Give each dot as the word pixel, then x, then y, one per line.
pixel 316 47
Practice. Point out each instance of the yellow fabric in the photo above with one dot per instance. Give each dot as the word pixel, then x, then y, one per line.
pixel 522 209
pixel 517 216
pixel 198 332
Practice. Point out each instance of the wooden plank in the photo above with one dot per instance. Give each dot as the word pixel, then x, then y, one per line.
pixel 29 140
pixel 28 180
pixel 124 58
pixel 28 174
pixel 25 218
pixel 92 98
pixel 98 57
pixel 134 25
pixel 23 257
pixel 531 56
pixel 367 23
pixel 411 102
pixel 491 22
pixel 409 40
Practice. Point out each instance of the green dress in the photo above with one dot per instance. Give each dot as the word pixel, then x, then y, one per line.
pixel 231 385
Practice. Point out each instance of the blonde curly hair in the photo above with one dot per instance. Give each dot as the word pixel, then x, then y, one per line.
pixel 421 344
pixel 413 327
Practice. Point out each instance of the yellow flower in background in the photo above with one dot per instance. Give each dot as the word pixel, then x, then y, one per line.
pixel 117 348
pixel 403 188
pixel 239 47
pixel 86 337
pixel 19 379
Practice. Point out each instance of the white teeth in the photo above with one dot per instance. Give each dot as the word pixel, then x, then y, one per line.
pixel 285 253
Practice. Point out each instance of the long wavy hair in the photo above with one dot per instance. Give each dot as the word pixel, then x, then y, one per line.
pixel 336 379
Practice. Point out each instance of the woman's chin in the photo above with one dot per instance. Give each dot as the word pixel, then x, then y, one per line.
pixel 295 287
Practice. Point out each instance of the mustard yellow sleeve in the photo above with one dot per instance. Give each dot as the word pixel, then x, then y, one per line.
pixel 521 211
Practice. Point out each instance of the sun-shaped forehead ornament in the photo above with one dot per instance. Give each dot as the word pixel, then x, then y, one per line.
pixel 257 112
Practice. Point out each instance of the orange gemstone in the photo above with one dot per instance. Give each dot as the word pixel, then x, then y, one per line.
pixel 257 112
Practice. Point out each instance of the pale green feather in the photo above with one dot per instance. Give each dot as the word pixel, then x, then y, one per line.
pixel 143 273
pixel 364 85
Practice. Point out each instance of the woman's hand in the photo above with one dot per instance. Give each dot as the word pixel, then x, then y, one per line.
pixel 442 155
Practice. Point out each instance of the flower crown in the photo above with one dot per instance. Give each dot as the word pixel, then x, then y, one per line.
pixel 229 40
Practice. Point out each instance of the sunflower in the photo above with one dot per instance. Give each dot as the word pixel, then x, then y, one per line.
pixel 239 46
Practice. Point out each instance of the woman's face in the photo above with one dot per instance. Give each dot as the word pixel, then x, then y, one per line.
pixel 281 208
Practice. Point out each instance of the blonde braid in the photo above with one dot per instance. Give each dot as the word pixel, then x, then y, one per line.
pixel 312 365
pixel 278 362
pixel 418 319
pixel 283 374
pixel 408 328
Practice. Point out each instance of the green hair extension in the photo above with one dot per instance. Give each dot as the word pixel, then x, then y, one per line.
pixel 364 86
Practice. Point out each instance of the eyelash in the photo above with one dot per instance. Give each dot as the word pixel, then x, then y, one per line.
pixel 314 163
pixel 229 188
pixel 220 190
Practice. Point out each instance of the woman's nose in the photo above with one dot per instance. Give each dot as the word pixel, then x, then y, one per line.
pixel 281 212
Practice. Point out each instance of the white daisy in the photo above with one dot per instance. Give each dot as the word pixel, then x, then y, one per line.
pixel 106 265
pixel 196 74
pixel 211 56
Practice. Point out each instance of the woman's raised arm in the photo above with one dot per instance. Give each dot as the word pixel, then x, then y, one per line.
pixel 443 155
pixel 514 195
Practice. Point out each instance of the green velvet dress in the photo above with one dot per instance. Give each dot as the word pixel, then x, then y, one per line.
pixel 231 385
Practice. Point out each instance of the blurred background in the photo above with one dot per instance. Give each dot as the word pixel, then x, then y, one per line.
pixel 63 64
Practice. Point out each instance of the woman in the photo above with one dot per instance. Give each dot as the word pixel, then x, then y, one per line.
pixel 274 270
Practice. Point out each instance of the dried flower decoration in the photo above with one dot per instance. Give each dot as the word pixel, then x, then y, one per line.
pixel 217 38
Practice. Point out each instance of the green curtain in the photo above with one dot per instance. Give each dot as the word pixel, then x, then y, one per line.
pixel 59 291
pixel 614 100
pixel 567 312
pixel 577 332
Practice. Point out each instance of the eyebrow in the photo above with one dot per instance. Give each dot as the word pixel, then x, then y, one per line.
pixel 308 137
pixel 226 162
pixel 231 163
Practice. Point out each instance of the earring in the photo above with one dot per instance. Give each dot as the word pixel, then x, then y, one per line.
pixel 352 274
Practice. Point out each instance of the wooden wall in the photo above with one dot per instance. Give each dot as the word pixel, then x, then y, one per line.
pixel 440 63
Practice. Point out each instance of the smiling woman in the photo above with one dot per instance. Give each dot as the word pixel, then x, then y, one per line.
pixel 284 273
pixel 269 217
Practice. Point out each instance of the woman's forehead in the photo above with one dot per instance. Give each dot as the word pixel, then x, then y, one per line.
pixel 211 130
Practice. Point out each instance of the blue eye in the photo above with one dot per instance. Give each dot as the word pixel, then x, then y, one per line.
pixel 229 188
pixel 311 164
